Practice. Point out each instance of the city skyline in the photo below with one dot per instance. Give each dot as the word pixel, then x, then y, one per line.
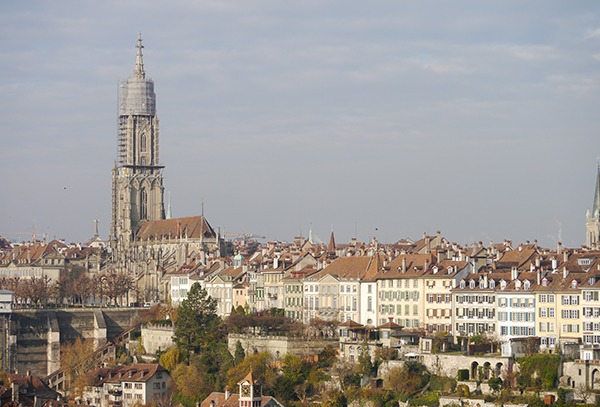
pixel 478 120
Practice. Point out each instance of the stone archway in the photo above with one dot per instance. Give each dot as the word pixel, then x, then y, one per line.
pixel 595 384
pixel 498 369
pixel 487 368
pixel 474 366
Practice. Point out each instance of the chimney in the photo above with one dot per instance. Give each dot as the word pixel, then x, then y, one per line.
pixel 404 264
pixel 539 276
pixel 485 280
pixel 565 272
pixel 559 248
pixel 565 256
pixel 227 393
pixel 15 393
pixel 554 264
pixel 537 262
pixel 514 273
pixel 426 265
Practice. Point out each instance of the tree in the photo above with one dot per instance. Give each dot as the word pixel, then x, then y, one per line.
pixel 239 354
pixel 197 322
pixel 171 358
pixel 75 361
pixel 190 382
pixel 364 360
pixel 407 379
pixel 495 384
pixel 259 364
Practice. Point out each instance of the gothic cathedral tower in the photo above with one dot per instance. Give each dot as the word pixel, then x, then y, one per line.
pixel 592 224
pixel 137 183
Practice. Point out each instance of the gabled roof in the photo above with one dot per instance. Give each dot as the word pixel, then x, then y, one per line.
pixel 249 379
pixel 356 267
pixel 350 324
pixel 407 266
pixel 517 258
pixel 140 372
pixel 195 227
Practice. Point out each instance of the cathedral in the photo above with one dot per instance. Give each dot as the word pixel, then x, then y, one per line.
pixel 592 219
pixel 145 241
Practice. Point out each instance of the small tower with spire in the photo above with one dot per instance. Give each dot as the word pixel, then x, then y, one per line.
pixel 592 224
pixel 250 392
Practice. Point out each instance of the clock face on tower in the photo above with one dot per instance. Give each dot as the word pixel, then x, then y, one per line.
pixel 245 390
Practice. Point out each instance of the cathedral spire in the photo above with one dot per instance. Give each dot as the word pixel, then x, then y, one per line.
pixel 139 60
pixel 596 207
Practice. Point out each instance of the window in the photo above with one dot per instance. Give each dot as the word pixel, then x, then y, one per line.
pixel 143 204
pixel 138 386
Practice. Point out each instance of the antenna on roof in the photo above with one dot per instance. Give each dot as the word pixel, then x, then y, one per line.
pixel 202 207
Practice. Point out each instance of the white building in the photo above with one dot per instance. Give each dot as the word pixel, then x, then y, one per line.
pixel 516 312
pixel 139 384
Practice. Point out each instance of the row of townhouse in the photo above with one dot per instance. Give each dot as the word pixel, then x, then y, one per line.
pixel 499 291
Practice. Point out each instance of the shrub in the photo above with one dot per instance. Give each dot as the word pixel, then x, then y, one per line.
pixel 462 390
pixel 427 399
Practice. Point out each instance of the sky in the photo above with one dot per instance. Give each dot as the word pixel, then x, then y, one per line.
pixel 386 118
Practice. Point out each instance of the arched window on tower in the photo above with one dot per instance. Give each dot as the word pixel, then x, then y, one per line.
pixel 143 204
pixel 143 142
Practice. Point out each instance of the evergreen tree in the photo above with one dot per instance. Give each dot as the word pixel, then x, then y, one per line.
pixel 239 354
pixel 198 325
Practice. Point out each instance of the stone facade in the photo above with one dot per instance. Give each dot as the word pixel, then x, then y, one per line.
pixel 278 346
pixel 157 337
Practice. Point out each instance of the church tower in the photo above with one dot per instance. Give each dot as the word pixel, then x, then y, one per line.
pixel 250 392
pixel 137 182
pixel 592 224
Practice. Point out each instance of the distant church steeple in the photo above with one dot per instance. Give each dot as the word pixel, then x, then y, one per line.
pixel 592 224
pixel 138 72
pixel 137 181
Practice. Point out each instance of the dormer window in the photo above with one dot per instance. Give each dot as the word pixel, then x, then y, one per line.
pixel 492 284
pixel 544 282
pixel 526 285
pixel 517 284
pixel 481 284
pixel 472 284
pixel 462 283
pixel 574 284
pixel 584 262
pixel 502 284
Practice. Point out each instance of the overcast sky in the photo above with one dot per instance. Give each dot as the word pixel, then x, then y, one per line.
pixel 385 118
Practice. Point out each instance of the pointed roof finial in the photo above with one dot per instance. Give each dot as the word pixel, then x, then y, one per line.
pixel 169 207
pixel 596 207
pixel 331 246
pixel 139 60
